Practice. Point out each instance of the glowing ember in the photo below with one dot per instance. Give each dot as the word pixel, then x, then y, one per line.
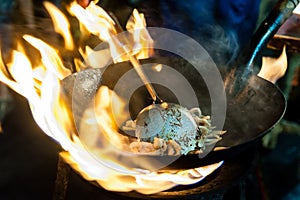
pixel 41 86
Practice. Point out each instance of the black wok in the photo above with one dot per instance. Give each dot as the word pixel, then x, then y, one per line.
pixel 250 114
pixel 254 105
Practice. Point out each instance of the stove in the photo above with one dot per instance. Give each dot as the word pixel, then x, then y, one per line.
pixel 230 180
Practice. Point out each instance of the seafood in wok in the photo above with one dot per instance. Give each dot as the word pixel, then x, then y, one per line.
pixel 170 130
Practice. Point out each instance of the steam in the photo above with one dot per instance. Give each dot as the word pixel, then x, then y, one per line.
pixel 222 45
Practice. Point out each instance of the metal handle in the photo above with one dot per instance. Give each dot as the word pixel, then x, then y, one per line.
pixel 279 14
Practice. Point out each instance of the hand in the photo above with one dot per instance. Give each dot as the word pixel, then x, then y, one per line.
pixel 274 68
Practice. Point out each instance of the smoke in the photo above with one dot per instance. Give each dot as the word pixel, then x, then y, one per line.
pixel 222 45
pixel 23 18
pixel 198 19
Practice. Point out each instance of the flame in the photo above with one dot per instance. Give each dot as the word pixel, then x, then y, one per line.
pixel 61 24
pixel 146 182
pixel 106 109
pixel 99 23
pixel 95 59
pixel 95 19
pixel 157 67
pixel 50 57
pixel 142 40
pixel 41 86
pixel 22 75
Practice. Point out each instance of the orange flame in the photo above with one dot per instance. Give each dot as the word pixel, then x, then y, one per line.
pixel 61 24
pixel 41 86
pixel 99 23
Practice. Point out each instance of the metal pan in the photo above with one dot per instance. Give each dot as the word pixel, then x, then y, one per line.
pixel 250 114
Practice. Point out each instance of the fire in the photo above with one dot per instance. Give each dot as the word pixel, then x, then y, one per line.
pixel 99 23
pixel 50 58
pixel 60 23
pixel 41 86
pixel 142 39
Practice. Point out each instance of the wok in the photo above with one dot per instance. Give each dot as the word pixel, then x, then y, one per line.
pixel 254 105
pixel 249 116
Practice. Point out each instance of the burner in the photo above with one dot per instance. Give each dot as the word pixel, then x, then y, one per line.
pixel 231 176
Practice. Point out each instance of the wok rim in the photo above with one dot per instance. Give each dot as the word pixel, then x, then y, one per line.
pixel 215 155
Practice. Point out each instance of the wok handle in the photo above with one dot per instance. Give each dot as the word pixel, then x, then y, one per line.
pixel 279 14
pixel 244 65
